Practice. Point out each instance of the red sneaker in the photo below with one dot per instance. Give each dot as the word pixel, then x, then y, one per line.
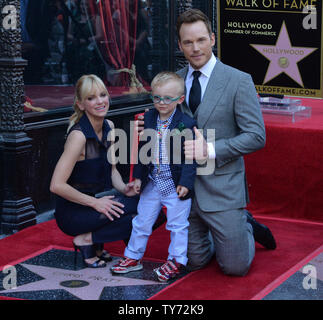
pixel 126 265
pixel 169 270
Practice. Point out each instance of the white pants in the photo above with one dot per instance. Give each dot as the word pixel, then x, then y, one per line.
pixel 149 206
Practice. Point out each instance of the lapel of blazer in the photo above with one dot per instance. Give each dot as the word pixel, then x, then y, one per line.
pixel 184 107
pixel 212 94
pixel 150 123
pixel 176 118
pixel 151 119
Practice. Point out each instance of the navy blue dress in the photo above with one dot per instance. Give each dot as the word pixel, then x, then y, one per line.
pixel 91 176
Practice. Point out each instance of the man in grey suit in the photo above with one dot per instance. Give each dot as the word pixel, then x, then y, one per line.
pixel 226 102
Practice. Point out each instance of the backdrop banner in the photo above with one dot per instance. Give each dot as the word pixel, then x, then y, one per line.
pixel 279 42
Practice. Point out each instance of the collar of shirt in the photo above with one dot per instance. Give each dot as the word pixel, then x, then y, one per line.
pixel 89 131
pixel 206 72
pixel 167 122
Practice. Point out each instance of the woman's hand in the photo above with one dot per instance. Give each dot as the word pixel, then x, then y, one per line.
pixel 129 190
pixel 109 207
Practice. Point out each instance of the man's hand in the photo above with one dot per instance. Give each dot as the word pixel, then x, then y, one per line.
pixel 196 149
pixel 139 123
pixel 137 186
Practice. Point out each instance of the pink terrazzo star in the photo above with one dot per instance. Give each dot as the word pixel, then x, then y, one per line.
pixel 97 279
pixel 283 57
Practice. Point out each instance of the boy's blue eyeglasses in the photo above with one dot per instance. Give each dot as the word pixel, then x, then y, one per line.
pixel 166 99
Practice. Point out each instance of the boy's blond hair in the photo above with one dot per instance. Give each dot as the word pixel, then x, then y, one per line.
pixel 166 76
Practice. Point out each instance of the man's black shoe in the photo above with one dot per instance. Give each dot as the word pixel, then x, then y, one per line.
pixel 261 233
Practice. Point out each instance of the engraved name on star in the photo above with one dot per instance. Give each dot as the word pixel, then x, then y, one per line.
pixel 283 57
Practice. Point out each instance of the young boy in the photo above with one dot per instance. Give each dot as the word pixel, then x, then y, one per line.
pixel 165 181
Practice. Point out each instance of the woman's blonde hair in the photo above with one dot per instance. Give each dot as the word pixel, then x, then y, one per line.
pixel 84 87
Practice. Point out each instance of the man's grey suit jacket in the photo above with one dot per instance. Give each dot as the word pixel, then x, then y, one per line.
pixel 230 107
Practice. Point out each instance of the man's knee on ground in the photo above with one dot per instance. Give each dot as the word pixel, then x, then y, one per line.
pixel 238 270
pixel 196 262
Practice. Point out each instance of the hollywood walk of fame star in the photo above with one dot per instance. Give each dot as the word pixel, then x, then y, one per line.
pixel 91 281
pixel 283 57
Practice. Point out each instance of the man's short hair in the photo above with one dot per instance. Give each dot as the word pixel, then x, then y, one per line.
pixel 191 16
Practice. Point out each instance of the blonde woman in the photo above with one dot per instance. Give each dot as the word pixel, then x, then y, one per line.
pixel 83 171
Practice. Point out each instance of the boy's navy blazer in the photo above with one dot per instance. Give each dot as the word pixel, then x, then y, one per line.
pixel 182 174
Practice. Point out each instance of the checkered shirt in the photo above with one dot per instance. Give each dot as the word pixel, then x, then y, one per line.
pixel 161 174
